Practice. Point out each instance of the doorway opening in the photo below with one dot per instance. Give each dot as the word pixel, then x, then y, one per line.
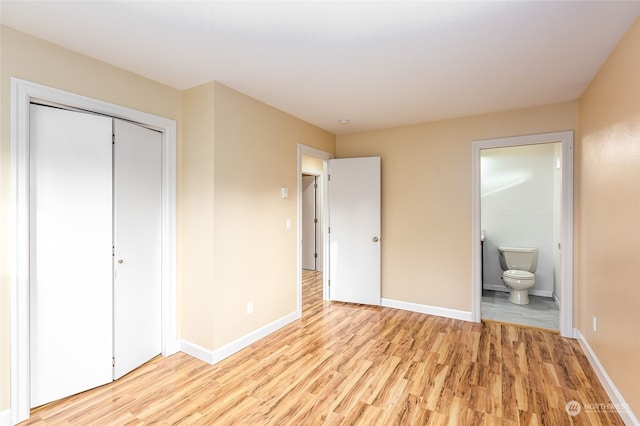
pixel 312 229
pixel 312 242
pixel 521 192
pixel 500 218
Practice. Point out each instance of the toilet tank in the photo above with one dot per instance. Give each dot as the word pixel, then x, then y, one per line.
pixel 520 258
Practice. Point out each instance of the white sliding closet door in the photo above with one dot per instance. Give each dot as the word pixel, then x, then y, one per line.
pixel 71 259
pixel 137 219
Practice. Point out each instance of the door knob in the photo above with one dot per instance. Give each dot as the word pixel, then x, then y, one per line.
pixel 375 239
pixel 120 260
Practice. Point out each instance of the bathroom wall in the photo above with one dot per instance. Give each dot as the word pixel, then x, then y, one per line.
pixel 519 196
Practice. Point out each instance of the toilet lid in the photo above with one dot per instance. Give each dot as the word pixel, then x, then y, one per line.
pixel 518 275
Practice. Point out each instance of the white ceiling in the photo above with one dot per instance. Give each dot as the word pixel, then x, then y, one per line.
pixel 378 64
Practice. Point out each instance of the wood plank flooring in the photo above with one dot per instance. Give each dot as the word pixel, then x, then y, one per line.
pixel 345 364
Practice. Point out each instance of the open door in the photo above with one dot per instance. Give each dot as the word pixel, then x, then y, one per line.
pixel 354 230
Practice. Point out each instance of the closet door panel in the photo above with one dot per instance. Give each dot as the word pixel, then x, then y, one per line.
pixel 71 253
pixel 137 219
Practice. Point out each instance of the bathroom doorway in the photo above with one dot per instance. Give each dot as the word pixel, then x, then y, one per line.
pixel 520 206
pixel 523 197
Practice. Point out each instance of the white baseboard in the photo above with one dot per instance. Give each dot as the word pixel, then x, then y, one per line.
pixel 533 292
pixel 616 397
pixel 229 349
pixel 426 309
pixel 5 417
pixel 196 351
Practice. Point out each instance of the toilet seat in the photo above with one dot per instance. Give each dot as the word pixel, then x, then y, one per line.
pixel 518 275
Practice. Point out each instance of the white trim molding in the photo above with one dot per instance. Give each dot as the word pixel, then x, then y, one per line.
pixel 622 407
pixel 217 355
pixel 426 309
pixel 566 140
pixel 5 418
pixel 22 94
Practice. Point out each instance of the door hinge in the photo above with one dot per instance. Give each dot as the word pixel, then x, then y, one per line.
pixel 315 254
pixel 329 283
pixel 113 139
pixel 113 361
pixel 315 220
pixel 315 185
pixel 329 230
pixel 329 177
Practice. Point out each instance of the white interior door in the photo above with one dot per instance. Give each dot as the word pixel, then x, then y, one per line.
pixel 137 228
pixel 71 262
pixel 309 223
pixel 354 237
pixel 319 226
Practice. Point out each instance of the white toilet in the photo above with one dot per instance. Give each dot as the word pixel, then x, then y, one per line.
pixel 518 264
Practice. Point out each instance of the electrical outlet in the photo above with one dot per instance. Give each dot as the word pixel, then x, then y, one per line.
pixel 249 307
pixel 594 321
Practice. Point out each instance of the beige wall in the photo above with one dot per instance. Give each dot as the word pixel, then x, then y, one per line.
pixel 35 60
pixel 426 198
pixel 609 211
pixel 312 163
pixel 255 256
pixel 195 243
pixel 235 249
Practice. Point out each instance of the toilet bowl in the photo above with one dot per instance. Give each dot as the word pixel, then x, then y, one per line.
pixel 519 265
pixel 519 283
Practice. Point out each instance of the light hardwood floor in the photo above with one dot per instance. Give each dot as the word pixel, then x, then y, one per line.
pixel 352 364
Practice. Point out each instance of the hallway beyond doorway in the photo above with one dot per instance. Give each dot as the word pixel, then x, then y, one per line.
pixel 311 289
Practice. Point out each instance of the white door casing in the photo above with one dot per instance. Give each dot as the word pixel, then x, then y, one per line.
pixel 566 140
pixel 354 223
pixel 137 233
pixel 70 292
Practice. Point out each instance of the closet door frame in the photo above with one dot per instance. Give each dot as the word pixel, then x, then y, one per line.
pixel 22 94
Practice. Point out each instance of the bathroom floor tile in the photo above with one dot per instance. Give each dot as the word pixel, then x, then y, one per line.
pixel 541 312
